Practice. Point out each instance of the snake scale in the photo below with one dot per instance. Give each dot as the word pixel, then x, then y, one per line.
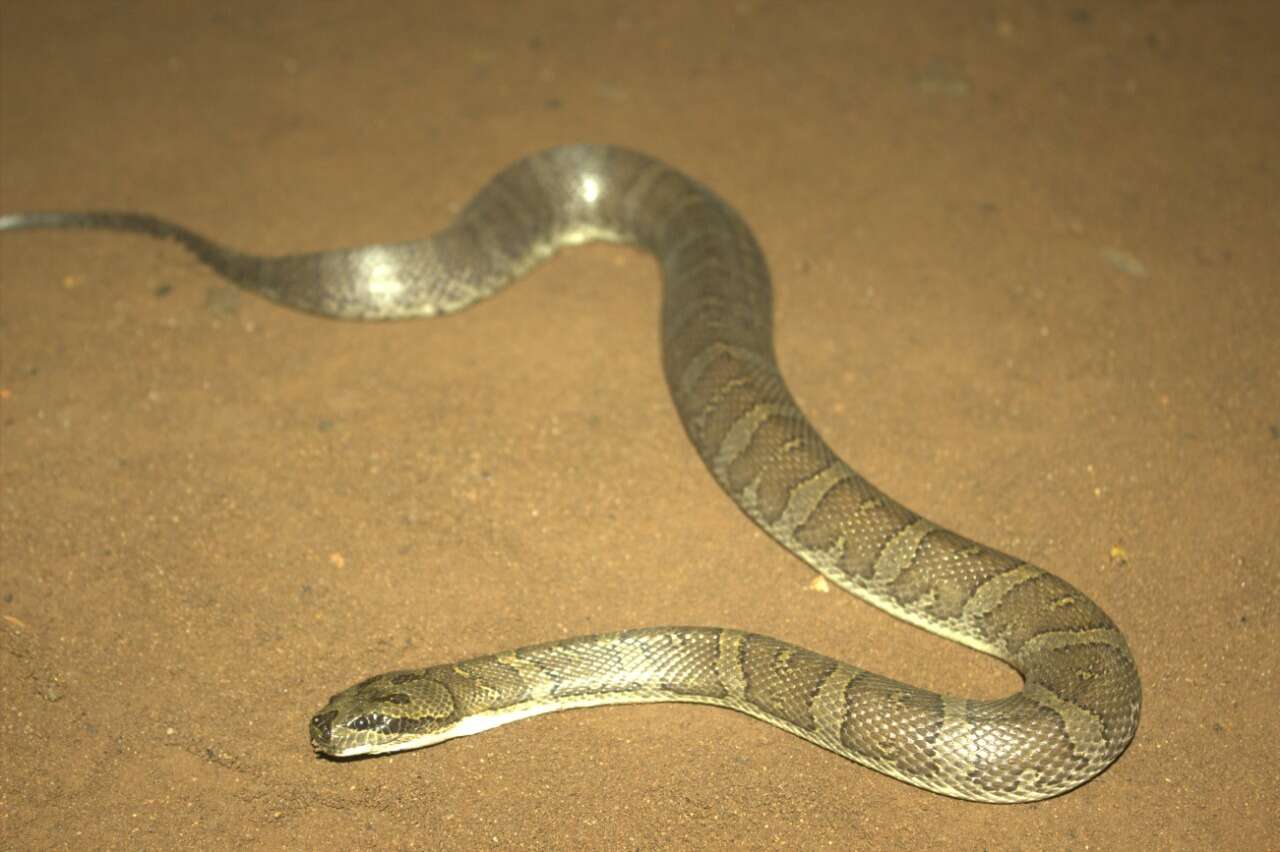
pixel 1078 708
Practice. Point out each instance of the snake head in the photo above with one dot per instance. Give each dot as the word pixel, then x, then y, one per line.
pixel 389 712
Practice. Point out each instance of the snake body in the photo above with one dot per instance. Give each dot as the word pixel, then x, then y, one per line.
pixel 1079 705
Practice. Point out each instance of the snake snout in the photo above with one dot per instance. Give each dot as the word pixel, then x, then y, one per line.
pixel 322 731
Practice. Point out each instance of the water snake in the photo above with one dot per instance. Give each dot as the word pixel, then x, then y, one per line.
pixel 1079 705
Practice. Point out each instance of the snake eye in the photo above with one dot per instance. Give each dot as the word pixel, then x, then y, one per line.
pixel 371 722
pixel 383 724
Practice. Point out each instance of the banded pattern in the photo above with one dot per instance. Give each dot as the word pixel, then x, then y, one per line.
pixel 1079 705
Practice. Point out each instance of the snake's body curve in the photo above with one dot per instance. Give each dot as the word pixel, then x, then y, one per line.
pixel 1078 708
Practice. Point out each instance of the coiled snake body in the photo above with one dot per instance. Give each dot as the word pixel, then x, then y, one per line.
pixel 1078 708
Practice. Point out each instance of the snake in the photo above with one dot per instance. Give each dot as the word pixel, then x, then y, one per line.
pixel 1079 704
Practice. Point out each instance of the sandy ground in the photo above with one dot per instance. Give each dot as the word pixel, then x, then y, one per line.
pixel 1025 257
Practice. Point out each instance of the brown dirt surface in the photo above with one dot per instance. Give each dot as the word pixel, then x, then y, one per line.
pixel 1025 257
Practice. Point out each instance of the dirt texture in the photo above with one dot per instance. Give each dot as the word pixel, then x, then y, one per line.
pixel 1025 261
